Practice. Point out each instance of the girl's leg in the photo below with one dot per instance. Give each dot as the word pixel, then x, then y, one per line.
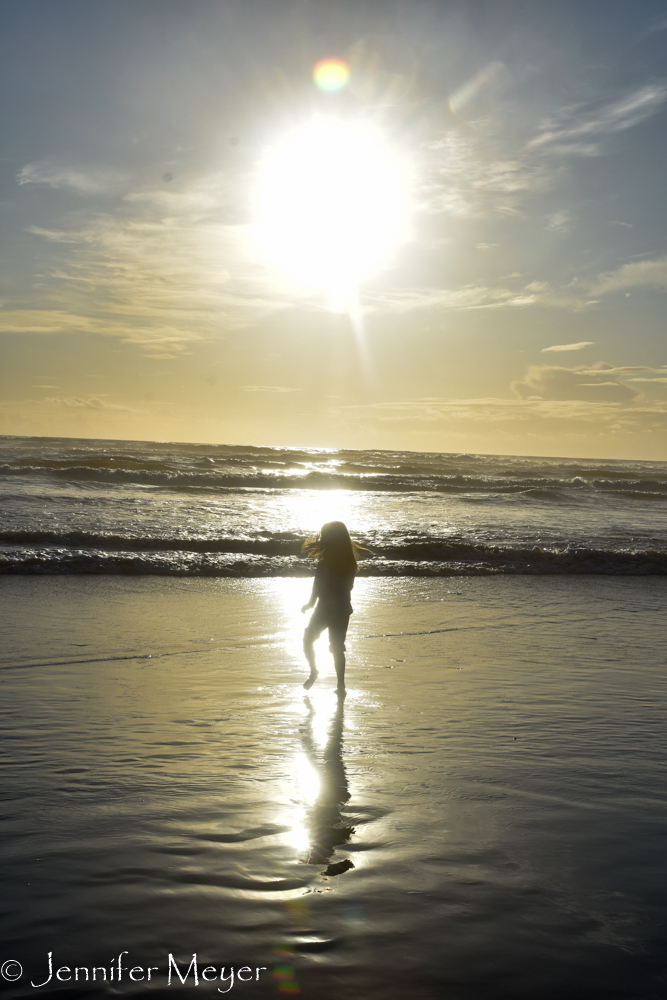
pixel 337 635
pixel 311 633
pixel 339 663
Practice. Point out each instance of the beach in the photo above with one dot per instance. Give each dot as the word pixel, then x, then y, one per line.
pixel 494 776
pixel 342 320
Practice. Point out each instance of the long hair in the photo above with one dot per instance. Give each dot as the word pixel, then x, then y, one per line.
pixel 335 548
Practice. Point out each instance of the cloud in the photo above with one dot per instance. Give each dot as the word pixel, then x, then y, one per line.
pixel 545 382
pixel 55 235
pixel 50 321
pixel 71 416
pixel 87 403
pixel 482 171
pixel 644 273
pixel 571 125
pixel 158 273
pixel 467 297
pixel 475 173
pixel 536 293
pixel 267 388
pixel 35 321
pixel 568 347
pixel 211 195
pixel 560 222
pixel 536 418
pixel 622 369
pixel 87 182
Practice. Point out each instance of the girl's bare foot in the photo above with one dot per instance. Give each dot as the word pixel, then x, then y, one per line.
pixel 311 680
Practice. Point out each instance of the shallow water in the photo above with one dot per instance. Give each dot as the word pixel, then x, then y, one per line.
pixel 495 776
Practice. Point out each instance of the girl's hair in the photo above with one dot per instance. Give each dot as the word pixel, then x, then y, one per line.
pixel 335 548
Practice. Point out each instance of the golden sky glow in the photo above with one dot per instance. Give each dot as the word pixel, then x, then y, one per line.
pixel 314 228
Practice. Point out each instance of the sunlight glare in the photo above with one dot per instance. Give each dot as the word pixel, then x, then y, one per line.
pixel 307 780
pixel 313 508
pixel 331 206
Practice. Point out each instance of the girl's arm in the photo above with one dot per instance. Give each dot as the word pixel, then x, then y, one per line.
pixel 315 593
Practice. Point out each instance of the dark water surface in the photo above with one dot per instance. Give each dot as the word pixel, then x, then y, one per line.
pixel 484 816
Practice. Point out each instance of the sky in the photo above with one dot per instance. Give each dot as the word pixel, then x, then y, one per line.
pixel 464 248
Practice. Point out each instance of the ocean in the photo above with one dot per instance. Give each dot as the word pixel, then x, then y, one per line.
pixel 85 506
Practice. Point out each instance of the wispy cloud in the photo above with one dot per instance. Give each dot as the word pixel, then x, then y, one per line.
pixel 39 321
pixel 87 403
pixel 598 382
pixel 475 297
pixel 571 125
pixel 57 175
pixel 474 173
pixel 560 222
pixel 623 369
pixel 268 388
pixel 646 273
pixel 480 171
pixel 546 382
pixel 164 272
pixel 568 347
pixel 55 235
pixel 72 416
pixel 211 195
pixel 585 416
pixel 50 321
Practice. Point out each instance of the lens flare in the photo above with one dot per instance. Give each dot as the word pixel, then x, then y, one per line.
pixel 331 75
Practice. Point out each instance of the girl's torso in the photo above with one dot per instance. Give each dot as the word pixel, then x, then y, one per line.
pixel 335 589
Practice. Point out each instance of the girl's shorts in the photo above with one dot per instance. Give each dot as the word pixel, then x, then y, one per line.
pixel 336 623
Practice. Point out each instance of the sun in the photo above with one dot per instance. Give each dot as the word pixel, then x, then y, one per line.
pixel 331 206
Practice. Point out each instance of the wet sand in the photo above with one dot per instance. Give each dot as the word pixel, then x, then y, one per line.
pixel 483 816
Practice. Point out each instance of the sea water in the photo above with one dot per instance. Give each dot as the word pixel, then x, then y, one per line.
pixel 151 508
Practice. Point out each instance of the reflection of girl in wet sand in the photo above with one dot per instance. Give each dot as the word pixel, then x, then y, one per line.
pixel 327 827
pixel 336 556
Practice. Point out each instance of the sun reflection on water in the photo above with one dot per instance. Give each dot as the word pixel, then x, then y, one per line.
pixel 321 788
pixel 313 508
pixel 307 779
pixel 307 790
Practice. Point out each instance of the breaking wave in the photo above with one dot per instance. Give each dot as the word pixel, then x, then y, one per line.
pixel 540 487
pixel 85 506
pixel 264 557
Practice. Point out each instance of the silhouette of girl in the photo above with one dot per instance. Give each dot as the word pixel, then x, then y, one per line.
pixel 336 556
